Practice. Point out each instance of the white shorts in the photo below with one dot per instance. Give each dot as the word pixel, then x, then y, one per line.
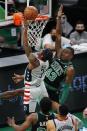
pixel 37 93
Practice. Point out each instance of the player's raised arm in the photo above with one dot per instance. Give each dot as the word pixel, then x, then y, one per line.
pixel 58 31
pixel 27 48
pixel 30 13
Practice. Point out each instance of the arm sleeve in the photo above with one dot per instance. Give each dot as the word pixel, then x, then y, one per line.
pixel 64 94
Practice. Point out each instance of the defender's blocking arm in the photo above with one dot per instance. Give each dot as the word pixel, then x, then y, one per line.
pixel 58 31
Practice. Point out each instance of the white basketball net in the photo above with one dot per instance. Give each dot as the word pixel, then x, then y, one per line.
pixel 35 29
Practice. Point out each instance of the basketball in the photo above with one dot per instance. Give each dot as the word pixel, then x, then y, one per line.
pixel 18 18
pixel 30 13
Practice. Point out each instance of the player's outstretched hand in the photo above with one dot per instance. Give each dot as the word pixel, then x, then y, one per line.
pixel 10 121
pixel 17 78
pixel 60 11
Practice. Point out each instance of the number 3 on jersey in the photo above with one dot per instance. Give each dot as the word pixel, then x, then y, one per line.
pixel 43 70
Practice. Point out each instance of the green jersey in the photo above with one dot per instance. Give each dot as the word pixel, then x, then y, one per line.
pixel 56 73
pixel 42 120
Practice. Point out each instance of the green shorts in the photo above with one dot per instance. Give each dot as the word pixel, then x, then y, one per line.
pixel 53 93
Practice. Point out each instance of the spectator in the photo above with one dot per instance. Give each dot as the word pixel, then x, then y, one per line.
pixel 49 40
pixel 66 26
pixel 63 121
pixel 79 36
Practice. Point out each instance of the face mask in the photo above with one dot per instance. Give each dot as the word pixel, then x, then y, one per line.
pixel 53 37
pixel 79 31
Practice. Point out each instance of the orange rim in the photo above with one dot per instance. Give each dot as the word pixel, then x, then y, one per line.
pixel 41 17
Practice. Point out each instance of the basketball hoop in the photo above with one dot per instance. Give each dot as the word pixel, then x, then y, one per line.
pixel 41 17
pixel 35 29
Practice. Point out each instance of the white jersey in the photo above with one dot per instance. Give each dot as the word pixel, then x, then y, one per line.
pixel 37 74
pixel 33 79
pixel 40 71
pixel 65 125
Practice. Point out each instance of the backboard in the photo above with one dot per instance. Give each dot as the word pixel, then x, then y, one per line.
pixel 43 6
pixel 11 6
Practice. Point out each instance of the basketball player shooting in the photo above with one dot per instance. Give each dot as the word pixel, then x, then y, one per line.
pixel 64 55
pixel 34 88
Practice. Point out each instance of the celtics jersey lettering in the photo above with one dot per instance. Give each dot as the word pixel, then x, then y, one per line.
pixel 55 73
pixel 42 121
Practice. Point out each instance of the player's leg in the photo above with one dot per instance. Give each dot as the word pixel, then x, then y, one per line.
pixel 43 89
pixel 54 96
pixel 35 93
